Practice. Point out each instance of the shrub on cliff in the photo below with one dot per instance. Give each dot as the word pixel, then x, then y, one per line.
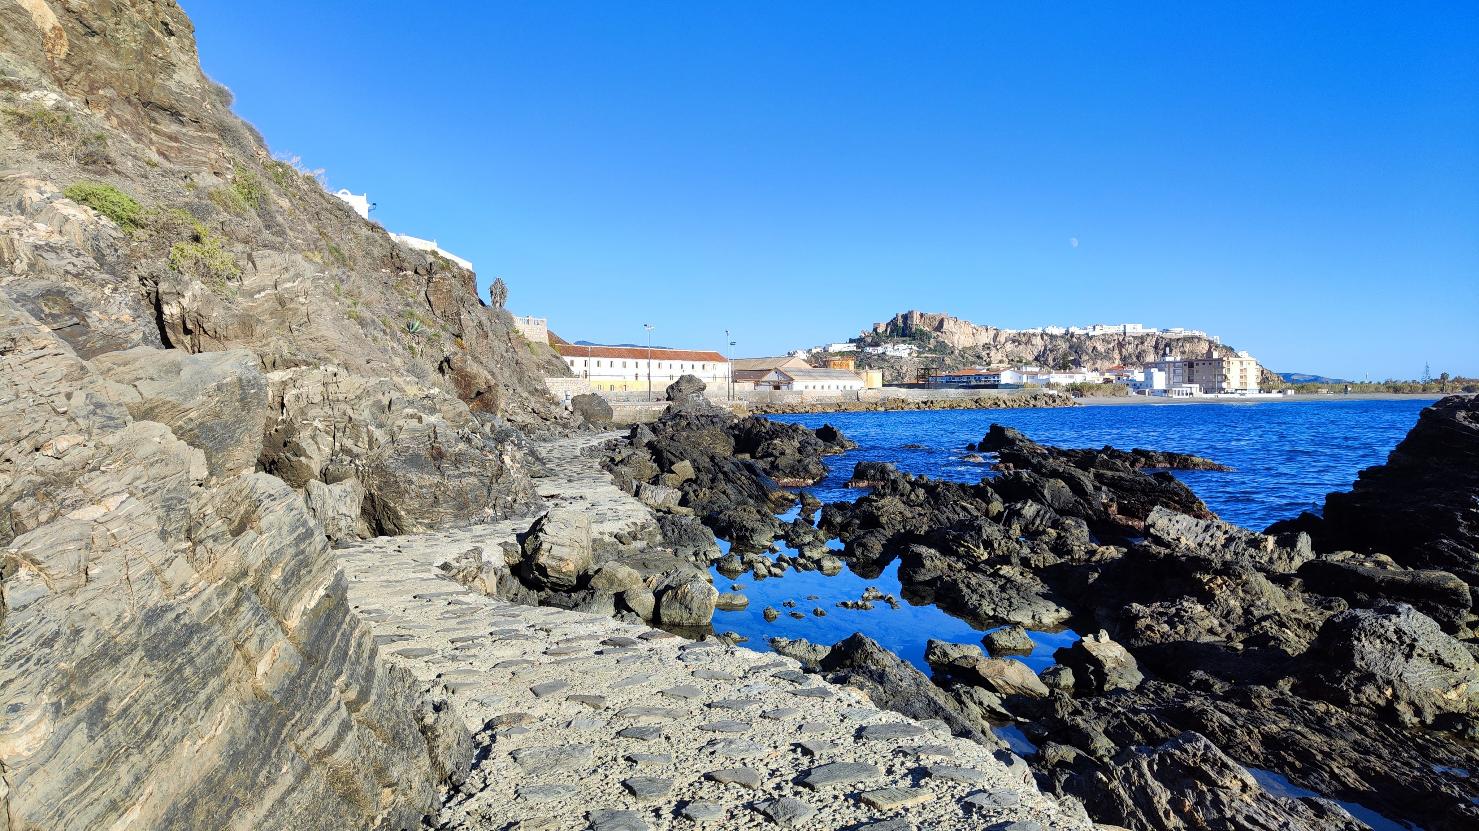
pixel 202 257
pixel 109 201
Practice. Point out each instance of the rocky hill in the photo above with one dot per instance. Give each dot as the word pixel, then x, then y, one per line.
pixel 946 342
pixel 210 369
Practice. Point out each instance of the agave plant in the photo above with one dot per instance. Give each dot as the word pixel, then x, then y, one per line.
pixel 415 327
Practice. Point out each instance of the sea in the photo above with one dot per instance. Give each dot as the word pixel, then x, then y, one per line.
pixel 1285 455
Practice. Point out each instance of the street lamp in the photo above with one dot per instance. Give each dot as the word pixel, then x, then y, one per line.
pixel 729 370
pixel 648 327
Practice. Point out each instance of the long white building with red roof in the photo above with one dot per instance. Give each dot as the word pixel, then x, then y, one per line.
pixel 628 368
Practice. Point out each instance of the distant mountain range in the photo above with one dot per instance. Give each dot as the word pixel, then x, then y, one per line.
pixel 1306 378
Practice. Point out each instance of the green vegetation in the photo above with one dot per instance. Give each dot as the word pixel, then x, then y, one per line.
pixel 282 173
pixel 109 201
pixel 248 187
pixel 1440 385
pixel 228 200
pixel 1080 390
pixel 42 125
pixel 202 257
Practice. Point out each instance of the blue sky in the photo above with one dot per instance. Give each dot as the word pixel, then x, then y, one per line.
pixel 1302 179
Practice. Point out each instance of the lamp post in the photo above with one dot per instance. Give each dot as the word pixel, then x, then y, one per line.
pixel 729 369
pixel 648 327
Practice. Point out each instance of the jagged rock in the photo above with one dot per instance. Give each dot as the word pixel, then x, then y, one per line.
pixel 1418 507
pixel 339 508
pixel 685 388
pixel 893 684
pixel 206 614
pixel 1187 783
pixel 425 460
pixel 557 549
pixel 1100 665
pixel 1440 595
pixel 592 409
pixel 1395 661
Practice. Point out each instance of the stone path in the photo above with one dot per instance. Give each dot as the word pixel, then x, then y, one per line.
pixel 605 725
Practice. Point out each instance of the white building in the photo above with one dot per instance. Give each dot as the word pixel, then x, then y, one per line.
pixel 359 202
pixel 842 347
pixel 627 368
pixel 430 245
pixel 1211 374
pixel 893 350
pixel 1147 381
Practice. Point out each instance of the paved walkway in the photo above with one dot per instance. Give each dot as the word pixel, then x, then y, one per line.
pixel 598 724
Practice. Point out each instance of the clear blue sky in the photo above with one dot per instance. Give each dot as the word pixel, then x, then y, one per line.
pixel 1302 179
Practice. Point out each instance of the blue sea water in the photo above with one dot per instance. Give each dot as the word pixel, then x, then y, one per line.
pixel 1286 456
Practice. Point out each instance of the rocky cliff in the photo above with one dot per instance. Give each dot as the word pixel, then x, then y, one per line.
pixel 950 343
pixel 209 369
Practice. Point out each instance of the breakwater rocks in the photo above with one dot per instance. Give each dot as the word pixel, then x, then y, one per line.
pixel 1215 646
pixel 993 401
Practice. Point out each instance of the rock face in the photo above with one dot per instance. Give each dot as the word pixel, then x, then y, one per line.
pixel 1418 508
pixel 423 458
pixel 186 632
pixel 209 244
pixel 207 400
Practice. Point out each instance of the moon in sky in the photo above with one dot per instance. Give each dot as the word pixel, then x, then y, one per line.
pixel 1073 241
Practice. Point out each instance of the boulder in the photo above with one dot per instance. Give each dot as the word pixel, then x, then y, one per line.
pixel 557 549
pixel 687 602
pixel 1397 662
pixel 1008 640
pixel 1100 665
pixel 614 578
pixel 894 684
pixel 592 409
pixel 966 663
pixel 685 388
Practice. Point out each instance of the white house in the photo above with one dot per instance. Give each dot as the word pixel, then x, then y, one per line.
pixel 430 245
pixel 359 202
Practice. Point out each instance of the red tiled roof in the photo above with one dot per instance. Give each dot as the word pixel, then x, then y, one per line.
pixel 639 352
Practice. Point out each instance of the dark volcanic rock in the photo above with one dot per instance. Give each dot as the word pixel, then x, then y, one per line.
pixel 592 409
pixel 1397 662
pixel 1187 783
pixel 893 684
pixel 1419 508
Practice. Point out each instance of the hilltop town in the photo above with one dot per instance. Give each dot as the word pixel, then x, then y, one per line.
pixel 918 357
